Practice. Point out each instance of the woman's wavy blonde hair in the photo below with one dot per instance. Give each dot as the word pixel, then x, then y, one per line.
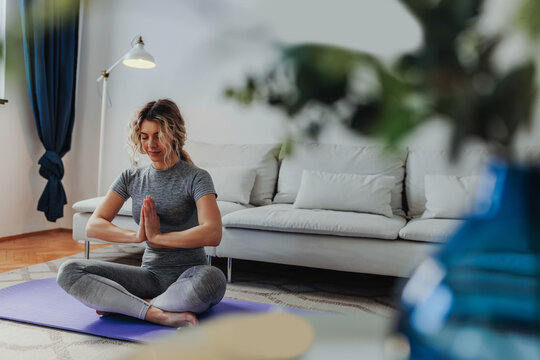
pixel 172 131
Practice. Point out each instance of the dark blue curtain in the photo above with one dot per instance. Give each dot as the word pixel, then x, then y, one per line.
pixel 50 37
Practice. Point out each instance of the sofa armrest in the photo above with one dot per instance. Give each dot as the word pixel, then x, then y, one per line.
pixel 89 205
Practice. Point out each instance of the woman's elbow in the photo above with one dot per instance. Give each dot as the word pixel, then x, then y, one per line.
pixel 91 227
pixel 215 237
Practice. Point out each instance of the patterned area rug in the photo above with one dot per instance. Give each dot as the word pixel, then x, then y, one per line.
pixel 291 286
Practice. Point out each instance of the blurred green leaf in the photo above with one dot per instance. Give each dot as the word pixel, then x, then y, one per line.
pixel 443 21
pixel 287 147
pixel 528 18
pixel 321 72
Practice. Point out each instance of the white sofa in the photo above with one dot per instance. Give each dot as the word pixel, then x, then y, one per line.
pixel 270 228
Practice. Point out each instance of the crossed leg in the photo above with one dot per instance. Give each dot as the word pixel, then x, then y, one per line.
pixel 118 288
pixel 196 289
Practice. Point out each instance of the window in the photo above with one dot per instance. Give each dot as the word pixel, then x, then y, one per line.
pixel 2 51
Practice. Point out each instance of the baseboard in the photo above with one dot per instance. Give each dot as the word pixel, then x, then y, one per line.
pixel 35 233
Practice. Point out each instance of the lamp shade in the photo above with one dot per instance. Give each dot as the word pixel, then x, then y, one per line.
pixel 139 58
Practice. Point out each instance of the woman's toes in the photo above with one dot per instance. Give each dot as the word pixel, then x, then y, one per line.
pixel 175 319
pixel 103 313
pixel 189 320
pixel 182 320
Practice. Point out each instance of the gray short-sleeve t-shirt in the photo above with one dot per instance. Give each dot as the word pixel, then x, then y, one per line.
pixel 174 191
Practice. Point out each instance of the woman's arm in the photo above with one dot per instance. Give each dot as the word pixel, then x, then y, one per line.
pixel 207 233
pixel 99 226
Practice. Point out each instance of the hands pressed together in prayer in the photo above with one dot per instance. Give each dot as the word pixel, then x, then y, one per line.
pixel 149 225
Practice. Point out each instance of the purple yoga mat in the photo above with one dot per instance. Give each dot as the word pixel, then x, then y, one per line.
pixel 43 302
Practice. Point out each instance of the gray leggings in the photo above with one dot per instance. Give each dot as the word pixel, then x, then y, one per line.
pixel 175 279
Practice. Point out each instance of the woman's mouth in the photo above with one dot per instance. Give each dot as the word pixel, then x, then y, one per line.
pixel 154 153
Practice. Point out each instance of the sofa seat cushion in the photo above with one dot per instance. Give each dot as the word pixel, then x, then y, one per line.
pixel 429 230
pixel 89 205
pixel 226 207
pixel 286 218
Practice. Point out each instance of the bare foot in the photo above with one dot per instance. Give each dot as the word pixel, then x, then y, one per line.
pixel 168 318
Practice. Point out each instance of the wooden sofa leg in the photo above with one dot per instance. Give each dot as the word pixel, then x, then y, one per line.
pixel 229 270
pixel 87 249
pixel 209 259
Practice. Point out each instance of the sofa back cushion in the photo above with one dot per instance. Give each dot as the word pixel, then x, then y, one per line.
pixel 262 157
pixel 435 162
pixel 449 196
pixel 346 159
pixel 345 192
pixel 233 183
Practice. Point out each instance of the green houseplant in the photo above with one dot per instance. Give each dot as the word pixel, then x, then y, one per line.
pixel 454 75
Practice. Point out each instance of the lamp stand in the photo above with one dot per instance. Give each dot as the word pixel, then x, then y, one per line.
pixel 105 75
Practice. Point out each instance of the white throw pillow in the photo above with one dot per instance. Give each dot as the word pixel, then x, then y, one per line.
pixel 426 162
pixel 449 197
pixel 262 157
pixel 345 192
pixel 233 183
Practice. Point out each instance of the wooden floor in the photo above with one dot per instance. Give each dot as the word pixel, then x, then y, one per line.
pixel 35 248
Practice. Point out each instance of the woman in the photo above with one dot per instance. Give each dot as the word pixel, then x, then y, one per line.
pixel 174 204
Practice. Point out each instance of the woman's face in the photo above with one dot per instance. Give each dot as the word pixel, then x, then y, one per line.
pixel 151 143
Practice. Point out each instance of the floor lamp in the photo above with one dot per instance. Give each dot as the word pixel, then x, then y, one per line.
pixel 137 58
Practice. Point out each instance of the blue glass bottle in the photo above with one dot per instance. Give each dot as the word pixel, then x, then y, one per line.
pixel 478 297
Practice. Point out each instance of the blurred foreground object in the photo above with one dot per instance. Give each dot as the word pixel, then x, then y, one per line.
pixel 276 335
pixel 479 297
